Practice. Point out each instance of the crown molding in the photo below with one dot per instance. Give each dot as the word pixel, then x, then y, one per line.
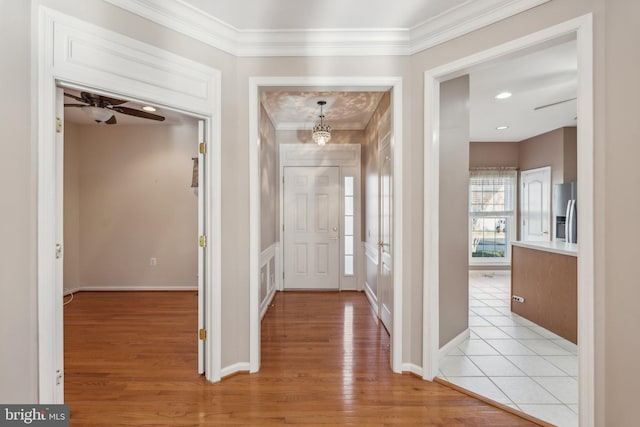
pixel 467 17
pixel 185 19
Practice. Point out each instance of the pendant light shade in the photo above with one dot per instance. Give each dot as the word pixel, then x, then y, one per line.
pixel 321 131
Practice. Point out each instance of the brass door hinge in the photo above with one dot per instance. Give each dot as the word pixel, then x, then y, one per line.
pixel 202 147
pixel 58 125
pixel 202 241
pixel 203 334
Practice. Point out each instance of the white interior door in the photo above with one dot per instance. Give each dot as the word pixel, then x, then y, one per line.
pixel 385 278
pixel 202 247
pixel 311 227
pixel 536 204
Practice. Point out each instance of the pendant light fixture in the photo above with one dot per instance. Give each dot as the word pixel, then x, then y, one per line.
pixel 321 131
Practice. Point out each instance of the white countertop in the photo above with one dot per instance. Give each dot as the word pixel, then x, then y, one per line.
pixel 561 248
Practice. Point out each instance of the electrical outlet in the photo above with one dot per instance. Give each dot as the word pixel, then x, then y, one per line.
pixel 517 298
pixel 153 261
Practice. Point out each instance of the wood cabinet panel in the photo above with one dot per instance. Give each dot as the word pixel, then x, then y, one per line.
pixel 548 282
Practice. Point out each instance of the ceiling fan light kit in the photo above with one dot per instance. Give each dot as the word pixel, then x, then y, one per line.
pixel 101 109
pixel 321 131
pixel 97 114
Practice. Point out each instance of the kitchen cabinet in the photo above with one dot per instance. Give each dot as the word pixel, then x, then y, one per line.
pixel 545 275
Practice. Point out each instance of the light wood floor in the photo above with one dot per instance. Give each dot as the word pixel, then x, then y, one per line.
pixel 130 360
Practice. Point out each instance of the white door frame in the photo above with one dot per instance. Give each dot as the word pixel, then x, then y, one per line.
pixel 353 83
pixel 582 28
pixel 346 157
pixel 77 54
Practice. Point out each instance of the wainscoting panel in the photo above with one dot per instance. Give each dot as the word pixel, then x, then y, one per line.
pixel 268 274
pixel 371 274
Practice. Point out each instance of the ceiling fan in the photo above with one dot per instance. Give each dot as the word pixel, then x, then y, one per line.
pixel 101 108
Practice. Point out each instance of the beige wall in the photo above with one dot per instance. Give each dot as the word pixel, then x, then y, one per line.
pixel 269 188
pixel 570 166
pixel 544 150
pixel 454 208
pixel 616 200
pixel 134 202
pixel 18 324
pixel 493 154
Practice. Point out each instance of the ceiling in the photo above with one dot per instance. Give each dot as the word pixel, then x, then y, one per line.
pixel 77 116
pixel 326 14
pixel 535 78
pixel 298 110
pixel 325 28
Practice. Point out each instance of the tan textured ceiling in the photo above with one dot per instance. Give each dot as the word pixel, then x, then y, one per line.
pixel 299 110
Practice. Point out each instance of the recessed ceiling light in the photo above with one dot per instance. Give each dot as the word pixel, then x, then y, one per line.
pixel 504 95
pixel 502 127
pixel 149 108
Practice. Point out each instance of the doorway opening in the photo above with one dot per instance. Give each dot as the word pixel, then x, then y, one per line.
pixel 579 29
pixel 280 253
pixel 131 208
pixel 136 79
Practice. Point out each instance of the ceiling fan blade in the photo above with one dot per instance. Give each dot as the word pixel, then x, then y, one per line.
pixel 77 98
pixel 138 113
pixel 552 104
pixel 97 98
pixel 112 120
pixel 75 105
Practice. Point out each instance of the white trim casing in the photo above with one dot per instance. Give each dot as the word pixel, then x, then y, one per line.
pixel 234 369
pixel 186 19
pixel 346 157
pixel 459 339
pixel 84 56
pixel 582 27
pixel 271 253
pixel 364 83
pixel 413 368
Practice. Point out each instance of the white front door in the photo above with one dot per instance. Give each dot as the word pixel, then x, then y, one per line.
pixel 311 227
pixel 536 204
pixel 385 278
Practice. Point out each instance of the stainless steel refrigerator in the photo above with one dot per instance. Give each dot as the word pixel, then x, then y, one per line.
pixel 565 211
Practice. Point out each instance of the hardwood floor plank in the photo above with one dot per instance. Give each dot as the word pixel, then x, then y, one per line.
pixel 131 360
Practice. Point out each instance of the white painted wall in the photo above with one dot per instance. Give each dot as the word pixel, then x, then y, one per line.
pixel 128 198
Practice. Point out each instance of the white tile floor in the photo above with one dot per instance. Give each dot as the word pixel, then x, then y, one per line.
pixel 512 360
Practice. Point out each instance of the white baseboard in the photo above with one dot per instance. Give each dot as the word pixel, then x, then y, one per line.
pixel 264 305
pixel 373 300
pixel 413 368
pixel 235 368
pixel 137 288
pixel 444 350
pixel 67 292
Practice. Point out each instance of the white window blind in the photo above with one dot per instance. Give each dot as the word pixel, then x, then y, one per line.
pixel 492 209
pixel 492 192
